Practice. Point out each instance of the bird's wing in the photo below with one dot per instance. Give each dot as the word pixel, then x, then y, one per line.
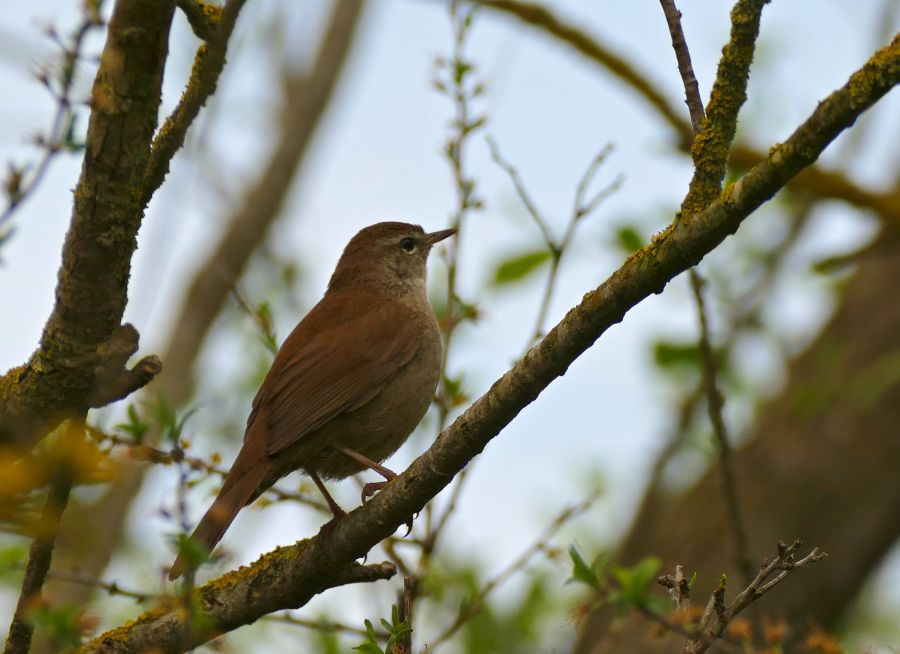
pixel 324 373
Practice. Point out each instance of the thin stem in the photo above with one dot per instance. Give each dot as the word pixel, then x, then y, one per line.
pixel 320 625
pixel 475 606
pixel 40 554
pixel 533 211
pixel 461 92
pixel 556 248
pixel 715 404
pixel 683 55
pixel 19 187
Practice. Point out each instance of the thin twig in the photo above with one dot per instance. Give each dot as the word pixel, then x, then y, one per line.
pixel 522 192
pixel 734 513
pixel 683 55
pixel 19 185
pixel 462 91
pixel 111 588
pixel 717 616
pixel 144 452
pixel 580 210
pixel 476 604
pixel 40 554
pixel 320 625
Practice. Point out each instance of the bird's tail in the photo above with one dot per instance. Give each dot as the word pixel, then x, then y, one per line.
pixel 241 486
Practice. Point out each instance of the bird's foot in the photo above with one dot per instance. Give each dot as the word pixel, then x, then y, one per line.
pixel 369 490
pixel 328 527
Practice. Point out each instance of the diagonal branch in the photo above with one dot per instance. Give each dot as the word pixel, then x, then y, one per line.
pixel 309 566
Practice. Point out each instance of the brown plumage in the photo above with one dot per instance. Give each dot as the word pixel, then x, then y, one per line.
pixel 349 384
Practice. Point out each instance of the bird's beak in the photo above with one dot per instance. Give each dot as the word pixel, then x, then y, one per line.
pixel 436 237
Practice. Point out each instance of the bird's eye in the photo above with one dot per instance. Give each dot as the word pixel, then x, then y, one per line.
pixel 408 244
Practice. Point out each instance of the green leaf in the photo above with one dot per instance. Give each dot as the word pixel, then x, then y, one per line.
pixel 192 551
pixel 371 645
pixel 520 266
pixel 581 571
pixel 135 427
pixel 368 648
pixel 629 239
pixel 60 624
pixel 670 355
pixel 634 582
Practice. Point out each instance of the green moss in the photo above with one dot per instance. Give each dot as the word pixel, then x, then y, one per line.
pixel 213 13
pixel 882 68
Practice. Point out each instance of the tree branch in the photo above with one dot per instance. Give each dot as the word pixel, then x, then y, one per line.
pixel 274 582
pixel 92 283
pixel 203 18
pixel 712 144
pixel 683 56
pixel 310 566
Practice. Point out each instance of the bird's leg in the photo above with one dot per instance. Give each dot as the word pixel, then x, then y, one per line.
pixel 368 490
pixel 373 487
pixel 336 510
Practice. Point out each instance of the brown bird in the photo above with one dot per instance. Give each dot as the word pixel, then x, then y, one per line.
pixel 349 384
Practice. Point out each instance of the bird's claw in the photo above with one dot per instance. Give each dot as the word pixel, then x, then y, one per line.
pixel 369 490
pixel 326 529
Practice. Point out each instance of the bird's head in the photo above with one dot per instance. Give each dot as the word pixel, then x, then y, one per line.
pixel 389 257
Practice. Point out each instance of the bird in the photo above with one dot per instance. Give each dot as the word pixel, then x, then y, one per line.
pixel 348 385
